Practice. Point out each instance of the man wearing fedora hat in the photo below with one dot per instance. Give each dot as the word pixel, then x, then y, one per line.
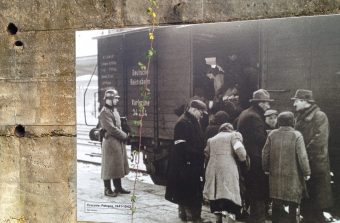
pixel 186 164
pixel 252 126
pixel 314 126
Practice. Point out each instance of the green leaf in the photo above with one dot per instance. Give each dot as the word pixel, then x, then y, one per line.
pixel 149 53
pixel 153 2
pixel 136 123
pixel 133 210
pixel 141 66
pixel 149 10
pixel 153 15
pixel 147 97
pixel 144 91
pixel 133 198
pixel 140 107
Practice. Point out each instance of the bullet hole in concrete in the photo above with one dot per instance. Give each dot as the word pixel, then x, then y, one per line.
pixel 12 29
pixel 19 131
pixel 19 43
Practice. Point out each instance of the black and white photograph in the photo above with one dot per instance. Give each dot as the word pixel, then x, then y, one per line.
pixel 241 122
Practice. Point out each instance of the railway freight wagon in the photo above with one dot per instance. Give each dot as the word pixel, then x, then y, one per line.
pixel 222 63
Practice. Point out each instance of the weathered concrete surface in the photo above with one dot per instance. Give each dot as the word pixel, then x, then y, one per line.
pixel 240 10
pixel 48 202
pixel 44 55
pixel 11 205
pixel 36 168
pixel 37 87
pixel 186 11
pixel 37 175
pixel 40 15
pixel 33 102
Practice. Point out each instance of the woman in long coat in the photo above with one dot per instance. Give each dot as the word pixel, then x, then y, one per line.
pixel 222 178
pixel 114 157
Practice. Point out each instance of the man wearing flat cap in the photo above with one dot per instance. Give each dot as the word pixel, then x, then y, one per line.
pixel 271 119
pixel 252 126
pixel 314 126
pixel 186 164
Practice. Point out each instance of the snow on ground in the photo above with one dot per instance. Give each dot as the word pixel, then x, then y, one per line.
pixel 142 177
pixel 151 207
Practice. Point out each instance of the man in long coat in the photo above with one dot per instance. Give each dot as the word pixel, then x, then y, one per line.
pixel 314 126
pixel 114 157
pixel 285 160
pixel 252 126
pixel 186 165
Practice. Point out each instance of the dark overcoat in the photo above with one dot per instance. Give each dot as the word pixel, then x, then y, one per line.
pixel 314 126
pixel 186 163
pixel 252 126
pixel 114 157
pixel 284 156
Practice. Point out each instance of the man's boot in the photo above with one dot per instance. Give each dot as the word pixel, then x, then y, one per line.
pixel 181 213
pixel 107 189
pixel 218 217
pixel 118 187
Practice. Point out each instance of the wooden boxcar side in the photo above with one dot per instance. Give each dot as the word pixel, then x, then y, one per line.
pixel 281 55
pixel 304 53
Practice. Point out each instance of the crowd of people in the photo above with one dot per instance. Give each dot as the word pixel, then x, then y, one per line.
pixel 262 160
pixel 242 167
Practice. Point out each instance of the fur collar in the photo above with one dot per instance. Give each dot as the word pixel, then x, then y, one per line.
pixel 308 113
pixel 190 116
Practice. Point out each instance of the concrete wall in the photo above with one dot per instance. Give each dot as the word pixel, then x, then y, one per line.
pixel 37 87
